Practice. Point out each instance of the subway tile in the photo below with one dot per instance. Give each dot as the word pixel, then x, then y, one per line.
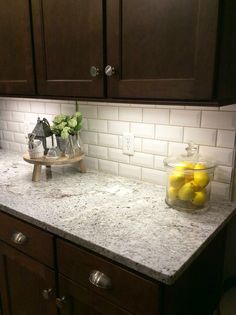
pixel 130 171
pixel 185 118
pixel 170 106
pixel 220 191
pixel 91 163
pixel 20 138
pixel 5 115
pixel 231 108
pixel 201 108
pixel 142 159
pixel 223 174
pixel 97 151
pixel 8 136
pixel 137 143
pixel 108 167
pixel 219 120
pixel 37 107
pixel 89 137
pixel 108 140
pixel 85 149
pixel 3 125
pixel 4 144
pixel 11 105
pixel 176 148
pixel 142 130
pixel 200 135
pixel 108 112
pixel 130 114
pixel 97 125
pixel 155 146
pixel 31 118
pixel 68 109
pixel 18 116
pixel 52 108
pixel 156 116
pixel 88 111
pixel 16 147
pixel 226 138
pixel 2 104
pixel 85 124
pixel 118 127
pixel 23 106
pixel 13 126
pixel 117 155
pixel 223 156
pixel 154 176
pixel 171 133
pixel 143 105
pixel 159 162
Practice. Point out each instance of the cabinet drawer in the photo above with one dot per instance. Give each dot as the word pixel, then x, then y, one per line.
pixel 28 239
pixel 122 287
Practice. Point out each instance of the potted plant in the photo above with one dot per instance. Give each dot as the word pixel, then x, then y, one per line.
pixel 66 129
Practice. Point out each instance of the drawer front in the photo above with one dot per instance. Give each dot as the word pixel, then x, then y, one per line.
pixel 28 239
pixel 122 287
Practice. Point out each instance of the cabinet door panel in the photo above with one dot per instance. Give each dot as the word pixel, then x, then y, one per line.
pixel 25 279
pixel 68 42
pixel 80 301
pixel 16 59
pixel 164 49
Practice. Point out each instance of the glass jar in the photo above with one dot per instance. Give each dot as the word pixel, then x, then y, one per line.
pixel 189 180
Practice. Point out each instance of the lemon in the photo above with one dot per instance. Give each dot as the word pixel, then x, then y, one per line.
pixel 200 198
pixel 201 178
pixel 176 179
pixel 172 193
pixel 186 168
pixel 186 192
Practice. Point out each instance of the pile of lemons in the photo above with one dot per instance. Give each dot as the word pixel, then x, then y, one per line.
pixel 188 182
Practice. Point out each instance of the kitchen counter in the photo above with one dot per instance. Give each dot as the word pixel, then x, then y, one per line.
pixel 122 219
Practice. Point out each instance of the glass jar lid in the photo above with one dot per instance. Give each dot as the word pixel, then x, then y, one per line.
pixel 189 159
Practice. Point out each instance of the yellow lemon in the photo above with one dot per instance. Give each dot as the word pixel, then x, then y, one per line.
pixel 186 168
pixel 172 193
pixel 200 198
pixel 176 179
pixel 186 192
pixel 201 178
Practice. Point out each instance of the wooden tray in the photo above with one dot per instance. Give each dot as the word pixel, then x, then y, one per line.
pixel 43 161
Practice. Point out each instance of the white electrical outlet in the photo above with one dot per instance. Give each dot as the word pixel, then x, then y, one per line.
pixel 128 144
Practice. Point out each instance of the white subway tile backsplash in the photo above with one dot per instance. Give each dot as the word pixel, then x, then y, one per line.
pixel 88 111
pixel 68 109
pixel 13 126
pixel 169 133
pixel 91 163
pixel 20 138
pixel 156 116
pixel 223 174
pixel 108 112
pixel 37 107
pixel 97 151
pixel 176 148
pixel 31 118
pixel 185 118
pixel 7 135
pixel 220 191
pixel 143 130
pixel 16 147
pixel 142 159
pixel 118 127
pixel 18 116
pixel 200 135
pixel 89 137
pixel 5 115
pixel 97 125
pixel 219 120
pixel 155 146
pixel 226 138
pixel 53 109
pixel 130 171
pixel 108 140
pixel 108 167
pixel 11 105
pixel 230 108
pixel 117 155
pixel 159 162
pixel 154 176
pixel 23 106
pixel 221 156
pixel 130 114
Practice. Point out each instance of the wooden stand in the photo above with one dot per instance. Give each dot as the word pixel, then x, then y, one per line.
pixel 49 162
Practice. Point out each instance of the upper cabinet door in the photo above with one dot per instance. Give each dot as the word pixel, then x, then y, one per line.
pixel 68 38
pixel 161 49
pixel 16 64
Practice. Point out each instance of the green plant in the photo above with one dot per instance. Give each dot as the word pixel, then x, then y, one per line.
pixel 65 125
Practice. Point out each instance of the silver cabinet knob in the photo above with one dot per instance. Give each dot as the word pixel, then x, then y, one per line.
pixel 100 280
pixel 60 302
pixel 110 71
pixel 47 293
pixel 19 238
pixel 94 71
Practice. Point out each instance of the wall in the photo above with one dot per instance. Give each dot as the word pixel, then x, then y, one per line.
pixel 159 132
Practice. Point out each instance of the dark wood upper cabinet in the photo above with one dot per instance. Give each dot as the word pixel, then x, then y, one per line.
pixel 68 38
pixel 16 59
pixel 162 49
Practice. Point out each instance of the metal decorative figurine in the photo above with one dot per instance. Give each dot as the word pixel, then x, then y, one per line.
pixel 42 130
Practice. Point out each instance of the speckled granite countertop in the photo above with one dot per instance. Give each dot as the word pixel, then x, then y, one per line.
pixel 122 219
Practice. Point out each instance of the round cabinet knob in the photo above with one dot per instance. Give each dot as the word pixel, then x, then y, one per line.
pixel 100 280
pixel 110 71
pixel 19 238
pixel 47 293
pixel 60 302
pixel 94 71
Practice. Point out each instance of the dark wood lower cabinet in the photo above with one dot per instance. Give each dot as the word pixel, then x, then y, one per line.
pixel 76 300
pixel 22 281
